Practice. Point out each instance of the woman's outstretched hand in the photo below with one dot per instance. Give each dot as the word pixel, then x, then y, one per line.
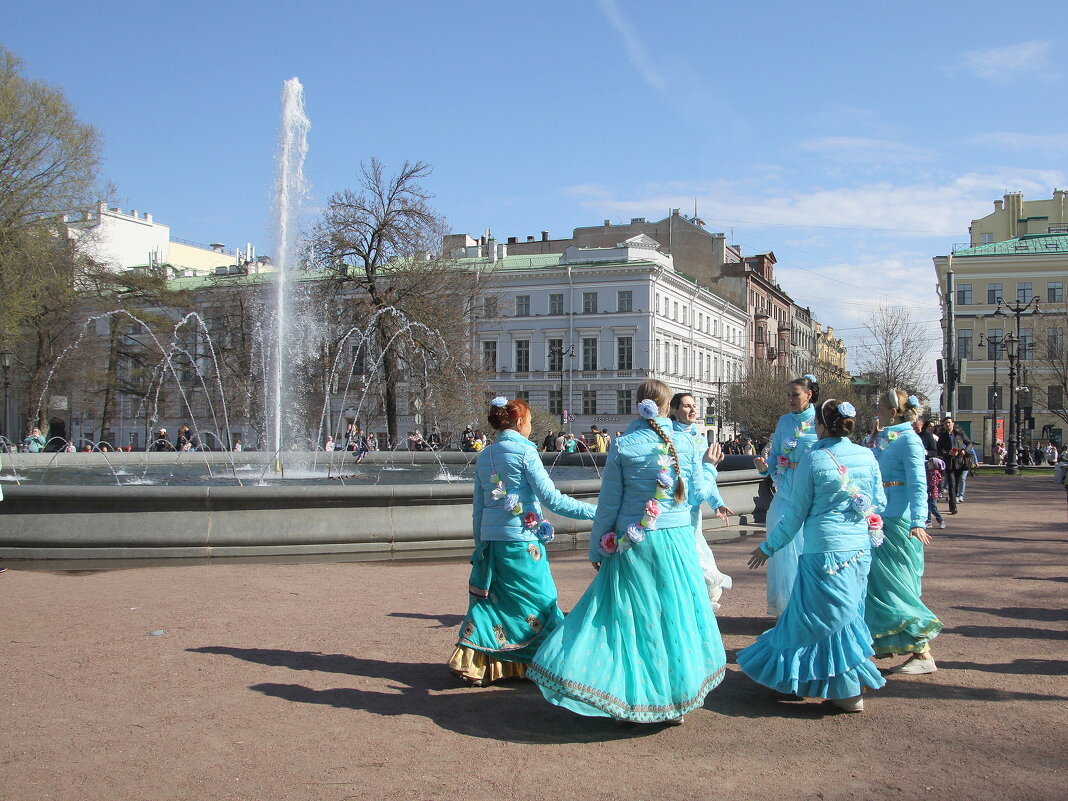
pixel 921 534
pixel 760 463
pixel 724 513
pixel 714 454
pixel 757 559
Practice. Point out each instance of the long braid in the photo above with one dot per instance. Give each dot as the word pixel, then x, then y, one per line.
pixel 680 487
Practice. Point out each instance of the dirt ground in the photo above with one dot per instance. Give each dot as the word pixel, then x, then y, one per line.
pixel 326 681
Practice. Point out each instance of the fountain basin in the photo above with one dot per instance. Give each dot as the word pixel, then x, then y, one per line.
pixel 48 523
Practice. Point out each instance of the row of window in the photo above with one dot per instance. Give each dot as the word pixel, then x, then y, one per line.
pixel 996 396
pixel 554 354
pixel 624 303
pixel 705 323
pixel 995 346
pixel 674 358
pixel 1024 292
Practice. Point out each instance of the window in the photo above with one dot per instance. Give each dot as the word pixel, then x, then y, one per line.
pixel 667 357
pixel 675 365
pixel 522 305
pixel 489 307
pixel 556 304
pixel 1055 397
pixel 1024 292
pixel 556 402
pixel 523 394
pixel 625 300
pixel 589 353
pixel 1055 292
pixel 589 303
pixel 522 355
pixel 489 355
pixel 1027 343
pixel 625 353
pixel 555 354
pixel 964 294
pixel 993 292
pixel 675 310
pixel 964 397
pixel 1055 344
pixel 964 344
pixel 995 348
pixel 359 360
pixel 589 401
pixel 986 239
pixel 685 361
pixel 624 401
pixel 993 396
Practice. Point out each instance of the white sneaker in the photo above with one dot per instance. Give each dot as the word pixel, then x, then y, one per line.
pixel 916 666
pixel 854 704
pixel 941 523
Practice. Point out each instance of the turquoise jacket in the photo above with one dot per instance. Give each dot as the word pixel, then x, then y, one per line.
pixel 517 464
pixel 901 458
pixel 715 500
pixel 821 504
pixel 799 426
pixel 629 481
pixel 34 444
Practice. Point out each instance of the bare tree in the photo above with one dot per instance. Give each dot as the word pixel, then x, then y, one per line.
pixel 757 402
pixel 892 350
pixel 1047 374
pixel 382 240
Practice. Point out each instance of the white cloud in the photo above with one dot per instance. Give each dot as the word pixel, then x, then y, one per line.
pixel 1034 143
pixel 866 151
pixel 637 54
pixel 1009 62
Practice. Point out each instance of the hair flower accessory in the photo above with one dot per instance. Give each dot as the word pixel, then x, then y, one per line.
pixel 913 402
pixel 648 409
pixel 845 408
pixel 609 543
pixel 499 401
pixel 809 376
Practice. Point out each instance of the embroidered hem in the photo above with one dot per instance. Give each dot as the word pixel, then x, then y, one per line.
pixel 475 666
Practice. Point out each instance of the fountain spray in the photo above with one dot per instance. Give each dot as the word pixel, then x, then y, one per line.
pixel 291 191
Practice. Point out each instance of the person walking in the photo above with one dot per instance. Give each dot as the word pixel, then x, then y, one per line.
pixel 642 644
pixel 934 467
pixel 820 647
pixel 549 443
pixel 684 419
pixel 794 434
pixel 513 602
pixel 900 622
pixel 952 449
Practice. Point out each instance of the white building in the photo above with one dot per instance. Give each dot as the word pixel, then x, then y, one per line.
pixel 576 332
pixel 123 240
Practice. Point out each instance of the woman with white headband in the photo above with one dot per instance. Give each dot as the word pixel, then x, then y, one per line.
pixel 512 597
pixel 794 434
pixel 899 621
pixel 820 647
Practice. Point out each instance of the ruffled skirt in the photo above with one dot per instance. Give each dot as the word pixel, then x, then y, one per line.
pixel 820 647
pixel 642 644
pixel 782 566
pixel 899 621
pixel 512 608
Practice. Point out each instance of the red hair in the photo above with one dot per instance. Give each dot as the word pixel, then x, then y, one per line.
pixel 502 417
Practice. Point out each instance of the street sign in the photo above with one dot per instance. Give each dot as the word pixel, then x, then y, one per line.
pixel 710 419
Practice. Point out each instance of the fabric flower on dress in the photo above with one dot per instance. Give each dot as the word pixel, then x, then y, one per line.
pixel 531 520
pixel 609 543
pixel 635 533
pixel 663 478
pixel 789 443
pixel 512 504
pixel 648 409
pixel 782 461
pixel 874 522
pixel 546 532
pixel 861 503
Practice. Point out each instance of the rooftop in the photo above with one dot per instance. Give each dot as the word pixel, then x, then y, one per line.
pixel 1029 245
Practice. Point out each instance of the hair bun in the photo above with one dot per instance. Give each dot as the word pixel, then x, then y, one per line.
pixel 845 409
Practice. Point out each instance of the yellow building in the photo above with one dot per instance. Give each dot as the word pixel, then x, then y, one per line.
pixel 1031 264
pixel 830 354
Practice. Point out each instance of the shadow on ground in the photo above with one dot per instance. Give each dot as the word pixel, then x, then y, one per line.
pixel 444 621
pixel 1020 612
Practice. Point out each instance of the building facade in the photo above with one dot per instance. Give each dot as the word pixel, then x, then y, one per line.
pixel 989 275
pixel 830 353
pixel 575 332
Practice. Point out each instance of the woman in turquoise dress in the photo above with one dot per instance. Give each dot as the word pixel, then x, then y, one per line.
pixel 794 434
pixel 899 621
pixel 820 647
pixel 642 644
pixel 512 597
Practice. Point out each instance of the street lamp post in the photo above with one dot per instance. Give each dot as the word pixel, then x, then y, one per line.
pixel 998 344
pixel 1018 352
pixel 560 352
pixel 7 358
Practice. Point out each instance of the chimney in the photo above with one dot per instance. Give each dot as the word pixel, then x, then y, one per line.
pixel 133 213
pixel 491 248
pixel 502 251
pixel 148 216
pixel 513 240
pixel 530 239
pixel 544 236
pixel 607 223
pixel 999 205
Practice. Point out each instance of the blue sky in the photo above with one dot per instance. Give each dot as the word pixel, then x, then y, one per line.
pixel 855 141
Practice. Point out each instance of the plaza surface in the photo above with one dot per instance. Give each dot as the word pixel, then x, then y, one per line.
pixel 327 681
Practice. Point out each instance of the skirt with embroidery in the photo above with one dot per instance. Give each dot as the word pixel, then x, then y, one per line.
pixel 782 566
pixel 820 647
pixel 899 621
pixel 642 644
pixel 512 608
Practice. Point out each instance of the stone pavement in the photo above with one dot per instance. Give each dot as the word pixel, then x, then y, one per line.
pixel 326 681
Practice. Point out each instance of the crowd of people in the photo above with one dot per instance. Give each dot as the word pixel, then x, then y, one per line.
pixel 844 548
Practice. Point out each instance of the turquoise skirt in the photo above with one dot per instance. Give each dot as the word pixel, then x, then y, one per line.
pixel 512 603
pixel 642 644
pixel 820 647
pixel 899 621
pixel 782 566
